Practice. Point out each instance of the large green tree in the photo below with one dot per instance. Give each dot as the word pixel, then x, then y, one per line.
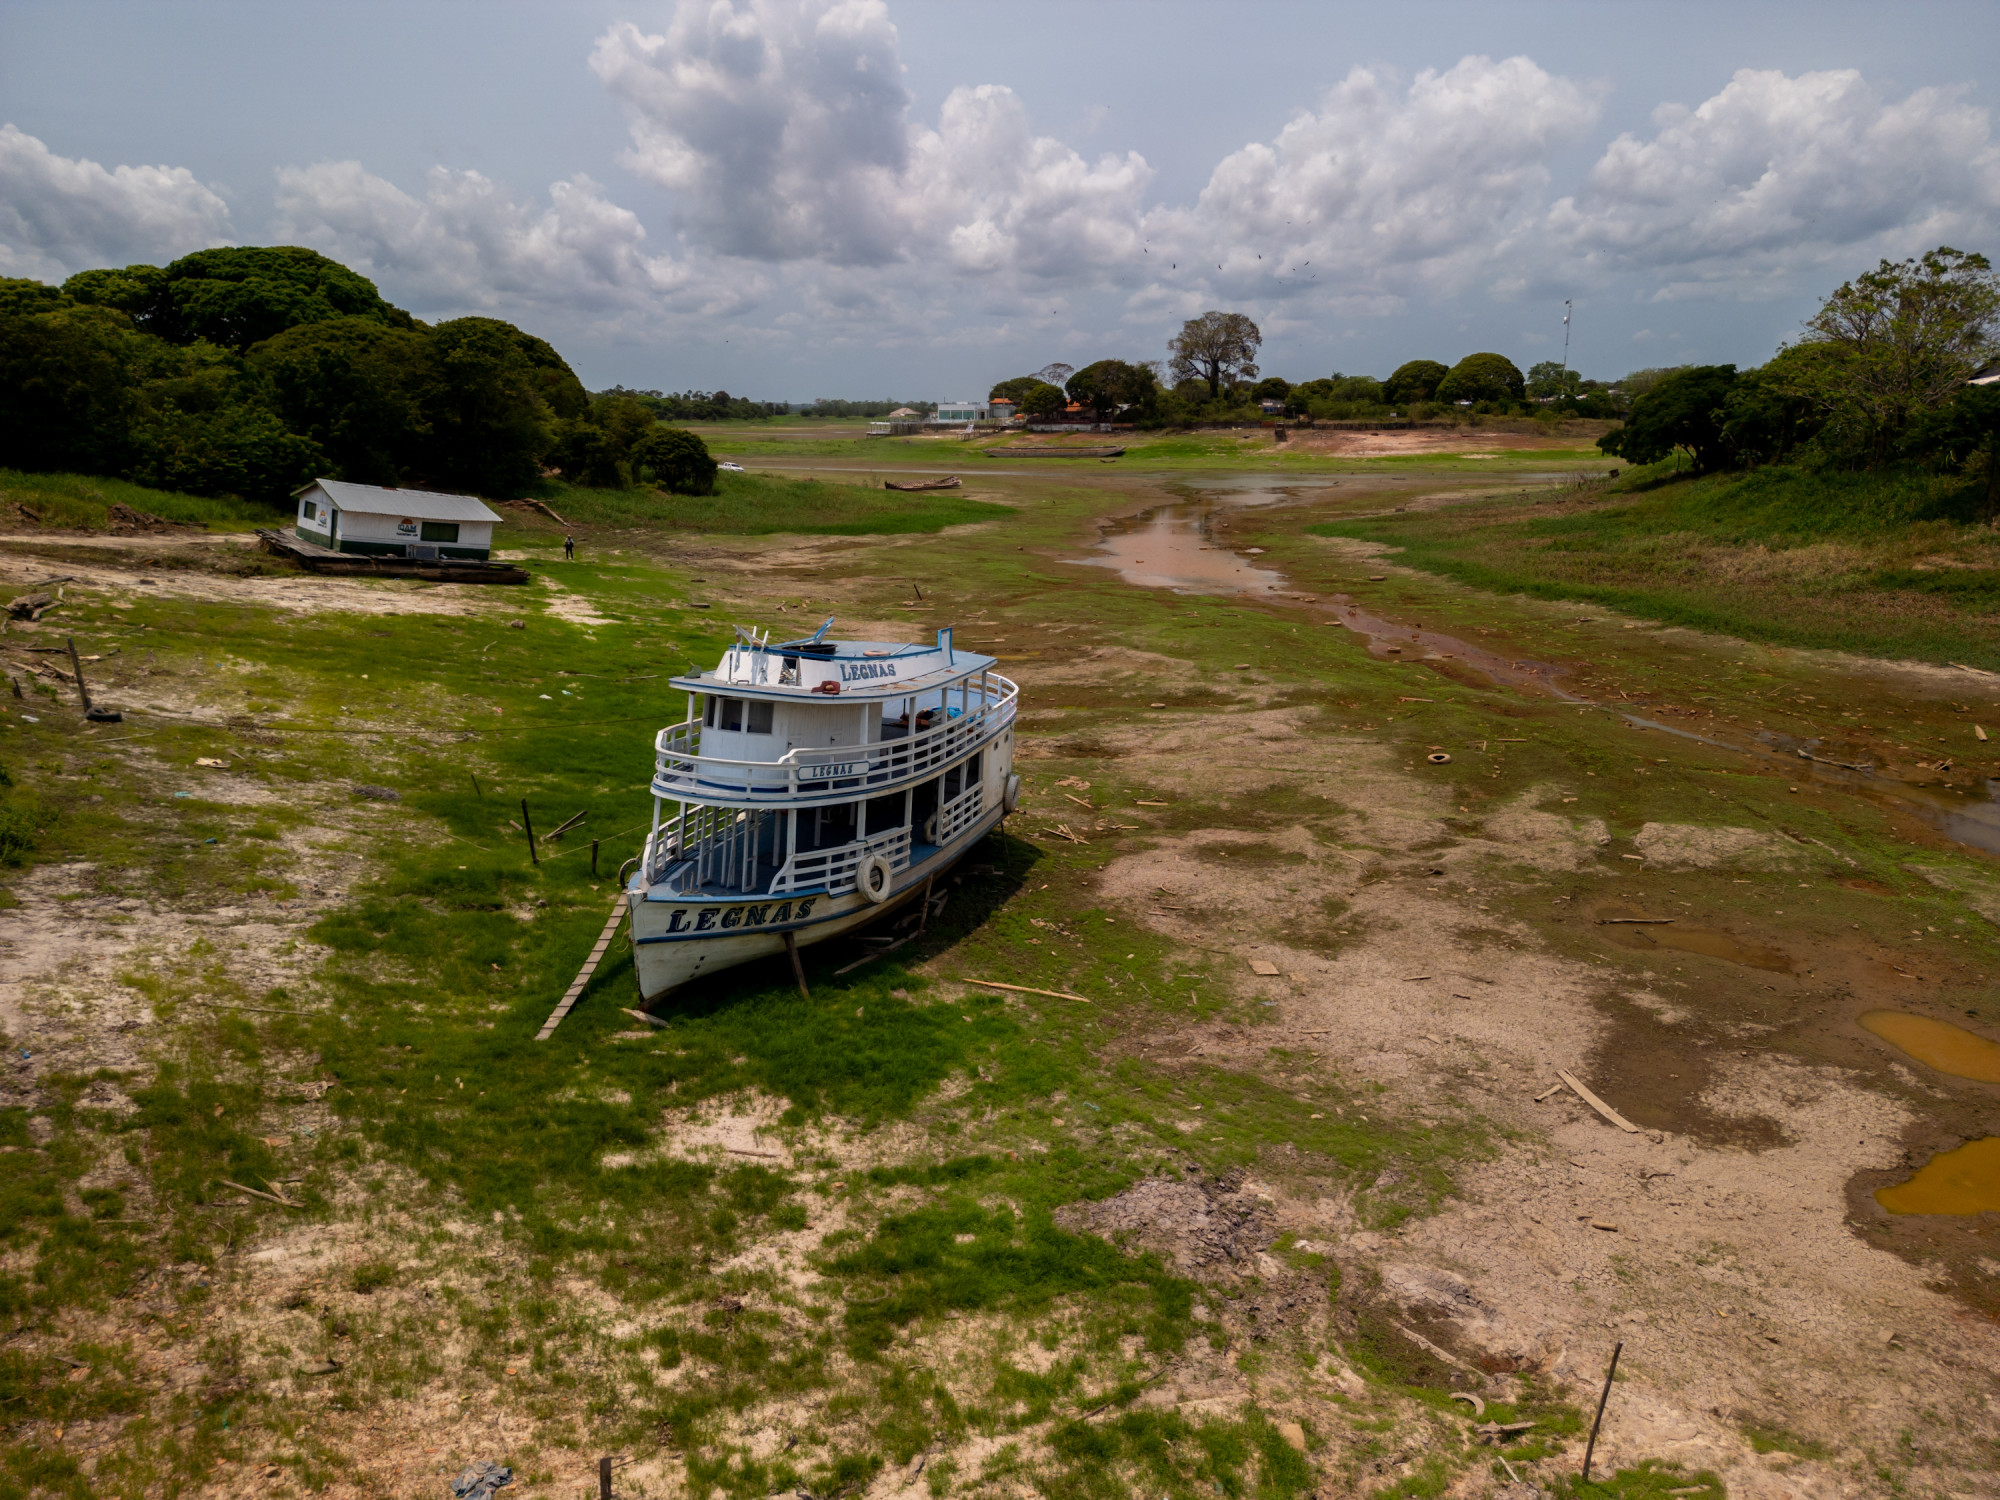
pixel 1550 377
pixel 1483 377
pixel 359 389
pixel 1896 343
pixel 68 387
pixel 677 460
pixel 1215 348
pixel 1112 385
pixel 237 297
pixel 490 424
pixel 1016 390
pixel 1414 380
pixel 1687 410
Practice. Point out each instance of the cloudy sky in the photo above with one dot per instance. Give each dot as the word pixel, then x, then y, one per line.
pixel 794 198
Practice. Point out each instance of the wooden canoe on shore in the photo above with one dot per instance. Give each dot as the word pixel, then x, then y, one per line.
pixel 1053 452
pixel 333 564
pixel 949 482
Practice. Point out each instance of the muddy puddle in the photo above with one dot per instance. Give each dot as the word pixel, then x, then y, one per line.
pixel 1965 1181
pixel 1937 1044
pixel 1708 941
pixel 1173 546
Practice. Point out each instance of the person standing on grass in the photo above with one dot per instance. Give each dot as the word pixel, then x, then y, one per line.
pixel 569 548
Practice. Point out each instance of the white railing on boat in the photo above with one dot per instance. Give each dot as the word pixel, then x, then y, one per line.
pixel 711 852
pixel 681 771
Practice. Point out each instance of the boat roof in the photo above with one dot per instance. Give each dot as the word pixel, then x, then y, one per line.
pixel 867 670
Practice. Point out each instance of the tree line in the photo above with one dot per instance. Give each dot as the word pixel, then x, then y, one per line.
pixel 1211 375
pixel 249 371
pixel 1894 370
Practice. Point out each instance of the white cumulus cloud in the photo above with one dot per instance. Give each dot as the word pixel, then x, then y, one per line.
pixel 1387 188
pixel 62 214
pixel 784 128
pixel 1777 174
pixel 467 244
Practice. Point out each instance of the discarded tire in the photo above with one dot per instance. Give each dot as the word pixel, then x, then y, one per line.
pixel 1438 758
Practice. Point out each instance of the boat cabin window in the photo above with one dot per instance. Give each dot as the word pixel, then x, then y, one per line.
pixel 958 778
pixel 750 717
pixel 885 813
pixel 825 827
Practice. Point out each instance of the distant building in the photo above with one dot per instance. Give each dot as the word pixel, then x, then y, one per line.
pixel 958 413
pixel 1001 410
pixel 1271 408
pixel 378 522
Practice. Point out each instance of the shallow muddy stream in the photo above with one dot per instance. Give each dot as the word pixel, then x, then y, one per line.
pixel 1174 545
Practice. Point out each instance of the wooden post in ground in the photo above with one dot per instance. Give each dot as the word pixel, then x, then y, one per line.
pixel 528 823
pixel 593 859
pixel 1590 1451
pixel 924 915
pixel 798 969
pixel 604 1478
pixel 76 666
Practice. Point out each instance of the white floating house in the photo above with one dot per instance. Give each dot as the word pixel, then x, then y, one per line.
pixel 958 413
pixel 378 522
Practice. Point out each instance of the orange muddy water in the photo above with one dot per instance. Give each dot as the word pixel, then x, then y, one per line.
pixel 1965 1181
pixel 1937 1044
pixel 1703 940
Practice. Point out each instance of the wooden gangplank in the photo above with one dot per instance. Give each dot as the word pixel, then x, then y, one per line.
pixel 589 968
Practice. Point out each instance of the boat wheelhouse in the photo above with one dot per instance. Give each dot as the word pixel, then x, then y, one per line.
pixel 813 784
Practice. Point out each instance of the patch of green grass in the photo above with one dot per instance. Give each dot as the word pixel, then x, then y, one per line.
pixel 765 504
pixel 1835 560
pixel 1651 1480
pixel 1767 1437
pixel 1163 1453
pixel 959 1257
pixel 84 501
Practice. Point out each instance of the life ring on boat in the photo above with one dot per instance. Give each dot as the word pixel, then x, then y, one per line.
pixel 931 829
pixel 872 877
pixel 1011 798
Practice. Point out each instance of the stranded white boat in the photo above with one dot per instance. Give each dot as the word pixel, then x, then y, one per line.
pixel 813 784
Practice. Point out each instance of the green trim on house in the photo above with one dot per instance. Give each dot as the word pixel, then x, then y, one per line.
pixel 399 550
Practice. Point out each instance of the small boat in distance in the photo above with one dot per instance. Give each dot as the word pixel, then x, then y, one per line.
pixel 950 482
pixel 814 785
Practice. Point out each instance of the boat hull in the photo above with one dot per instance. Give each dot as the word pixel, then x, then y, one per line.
pixel 676 940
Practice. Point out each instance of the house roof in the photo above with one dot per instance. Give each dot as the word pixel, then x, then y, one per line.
pixel 417 505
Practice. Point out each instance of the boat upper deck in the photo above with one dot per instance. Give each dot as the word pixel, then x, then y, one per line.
pixel 814 722
pixel 808 669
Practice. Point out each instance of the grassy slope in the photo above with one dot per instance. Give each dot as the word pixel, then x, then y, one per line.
pixel 1893 566
pixel 83 501
pixel 762 504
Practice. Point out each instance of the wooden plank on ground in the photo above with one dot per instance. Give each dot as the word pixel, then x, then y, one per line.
pixel 1596 1103
pixel 589 968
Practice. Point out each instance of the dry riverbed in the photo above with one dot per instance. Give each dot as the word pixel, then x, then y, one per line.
pixel 1332 981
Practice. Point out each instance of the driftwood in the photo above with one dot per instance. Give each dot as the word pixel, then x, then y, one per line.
pixel 1596 1103
pixel 994 984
